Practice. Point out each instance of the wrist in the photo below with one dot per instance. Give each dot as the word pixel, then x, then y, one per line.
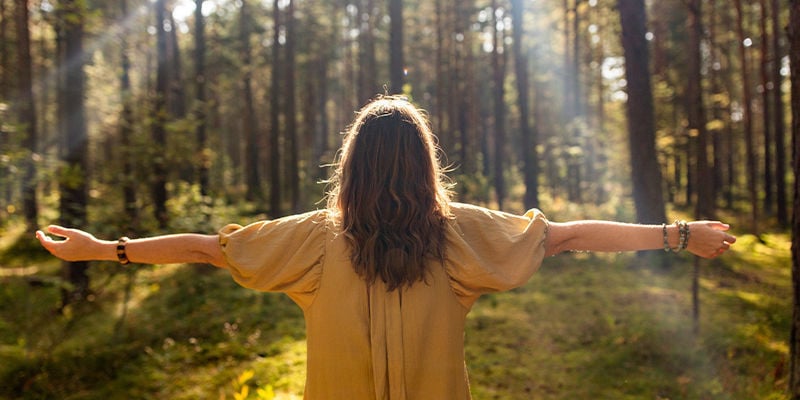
pixel 106 249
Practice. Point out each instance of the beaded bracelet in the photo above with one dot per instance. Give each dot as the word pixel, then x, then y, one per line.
pixel 121 255
pixel 683 229
pixel 683 236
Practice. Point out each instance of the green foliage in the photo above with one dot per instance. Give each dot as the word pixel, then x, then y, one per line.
pixel 586 326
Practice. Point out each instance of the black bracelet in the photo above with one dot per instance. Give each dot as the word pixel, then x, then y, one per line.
pixel 121 255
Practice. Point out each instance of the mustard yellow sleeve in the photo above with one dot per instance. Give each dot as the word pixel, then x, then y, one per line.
pixel 281 255
pixel 489 251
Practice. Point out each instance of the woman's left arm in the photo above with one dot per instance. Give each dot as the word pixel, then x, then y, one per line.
pixel 167 249
pixel 707 239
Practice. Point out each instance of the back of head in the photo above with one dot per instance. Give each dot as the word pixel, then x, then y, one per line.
pixel 388 193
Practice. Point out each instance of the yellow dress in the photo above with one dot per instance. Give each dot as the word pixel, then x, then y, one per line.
pixel 367 343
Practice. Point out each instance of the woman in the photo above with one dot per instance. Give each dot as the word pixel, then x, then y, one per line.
pixel 387 273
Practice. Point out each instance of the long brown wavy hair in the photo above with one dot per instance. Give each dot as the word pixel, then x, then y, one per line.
pixel 390 194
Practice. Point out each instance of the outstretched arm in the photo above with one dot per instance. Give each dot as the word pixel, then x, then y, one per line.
pixel 707 239
pixel 168 249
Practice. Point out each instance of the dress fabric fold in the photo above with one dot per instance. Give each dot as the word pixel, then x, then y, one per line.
pixel 367 343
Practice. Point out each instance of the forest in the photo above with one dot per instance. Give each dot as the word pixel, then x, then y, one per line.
pixel 141 117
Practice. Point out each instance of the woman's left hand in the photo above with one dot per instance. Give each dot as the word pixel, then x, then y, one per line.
pixel 709 239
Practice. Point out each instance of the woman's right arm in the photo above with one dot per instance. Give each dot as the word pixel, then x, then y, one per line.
pixel 168 249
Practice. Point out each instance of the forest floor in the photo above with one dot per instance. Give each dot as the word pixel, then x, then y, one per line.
pixel 586 326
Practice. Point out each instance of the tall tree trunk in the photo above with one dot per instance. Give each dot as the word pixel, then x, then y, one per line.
pixel 697 114
pixel 292 136
pixel 794 59
pixel 5 89
pixel 645 173
pixel 27 113
pixel 704 207
pixel 74 178
pixel 126 131
pixel 766 99
pixel 499 75
pixel 5 53
pixel 778 118
pixel 530 158
pixel 718 136
pixel 747 120
pixel 159 133
pixel 275 208
pixel 249 121
pixel 396 68
pixel 177 98
pixel 367 63
pixel 204 158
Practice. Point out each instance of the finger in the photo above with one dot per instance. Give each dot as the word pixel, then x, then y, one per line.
pixel 719 225
pixel 730 239
pixel 59 230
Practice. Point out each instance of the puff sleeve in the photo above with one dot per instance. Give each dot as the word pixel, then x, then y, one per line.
pixel 281 255
pixel 490 251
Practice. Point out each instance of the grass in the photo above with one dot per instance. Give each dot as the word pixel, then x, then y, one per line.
pixel 586 326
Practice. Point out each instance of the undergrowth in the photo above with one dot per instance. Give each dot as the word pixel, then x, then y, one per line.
pixel 586 326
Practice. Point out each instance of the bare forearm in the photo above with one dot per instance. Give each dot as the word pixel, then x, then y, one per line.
pixel 168 249
pixel 706 238
pixel 608 236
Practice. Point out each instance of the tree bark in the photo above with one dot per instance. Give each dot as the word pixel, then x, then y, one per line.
pixel 275 129
pixel 27 114
pixel 778 118
pixel 499 75
pixel 747 120
pixel 794 56
pixel 249 121
pixel 159 133
pixel 5 52
pixel 126 131
pixel 645 173
pixel 292 136
pixel 697 114
pixel 766 99
pixel 367 63
pixel 396 63
pixel 530 158
pixel 74 177
pixel 203 163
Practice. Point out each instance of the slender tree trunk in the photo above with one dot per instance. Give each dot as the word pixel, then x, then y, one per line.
pixel 396 63
pixel 5 52
pixel 697 115
pixel 75 176
pixel 367 64
pixel 645 173
pixel 704 207
pixel 747 120
pixel 292 135
pixel 530 159
pixel 159 133
pixel 274 134
pixel 177 97
pixel 5 93
pixel 794 59
pixel 27 113
pixel 204 158
pixel 249 121
pixel 766 99
pixel 126 131
pixel 499 73
pixel 778 118
pixel 717 134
